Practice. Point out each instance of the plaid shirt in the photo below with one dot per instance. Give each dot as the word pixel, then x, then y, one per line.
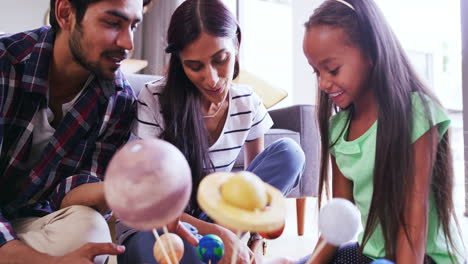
pixel 82 145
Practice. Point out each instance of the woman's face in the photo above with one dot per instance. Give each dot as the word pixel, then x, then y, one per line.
pixel 209 64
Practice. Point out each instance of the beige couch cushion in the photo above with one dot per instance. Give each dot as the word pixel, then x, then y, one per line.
pixel 269 93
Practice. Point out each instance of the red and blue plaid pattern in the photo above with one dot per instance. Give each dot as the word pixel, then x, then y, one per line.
pixel 79 151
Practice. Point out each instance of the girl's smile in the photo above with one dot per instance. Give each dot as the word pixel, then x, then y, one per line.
pixel 342 69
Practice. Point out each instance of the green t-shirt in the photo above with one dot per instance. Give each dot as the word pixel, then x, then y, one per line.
pixel 356 159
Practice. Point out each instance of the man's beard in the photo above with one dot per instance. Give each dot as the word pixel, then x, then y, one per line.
pixel 79 55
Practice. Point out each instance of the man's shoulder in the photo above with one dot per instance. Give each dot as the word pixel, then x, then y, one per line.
pixel 18 46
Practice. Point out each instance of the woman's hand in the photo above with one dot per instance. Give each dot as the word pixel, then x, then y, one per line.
pixel 244 254
pixel 179 229
pixel 229 239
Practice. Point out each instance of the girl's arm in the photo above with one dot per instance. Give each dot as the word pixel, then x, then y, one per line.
pixel 252 149
pixel 417 204
pixel 342 188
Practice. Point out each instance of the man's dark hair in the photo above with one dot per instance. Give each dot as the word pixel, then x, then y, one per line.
pixel 80 7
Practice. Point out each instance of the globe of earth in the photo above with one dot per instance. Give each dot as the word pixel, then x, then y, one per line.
pixel 210 249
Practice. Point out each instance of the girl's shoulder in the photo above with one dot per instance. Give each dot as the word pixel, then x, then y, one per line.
pixel 338 123
pixel 339 120
pixel 421 100
pixel 427 113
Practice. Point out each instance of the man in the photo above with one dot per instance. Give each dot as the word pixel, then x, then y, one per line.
pixel 65 109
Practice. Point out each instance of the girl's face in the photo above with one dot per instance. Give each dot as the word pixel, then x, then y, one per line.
pixel 209 64
pixel 342 69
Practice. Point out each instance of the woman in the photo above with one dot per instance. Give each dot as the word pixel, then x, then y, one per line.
pixel 197 108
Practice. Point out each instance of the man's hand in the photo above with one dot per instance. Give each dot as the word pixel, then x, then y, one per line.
pixel 86 253
pixel 17 252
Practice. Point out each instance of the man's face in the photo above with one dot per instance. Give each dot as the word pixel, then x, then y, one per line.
pixel 102 40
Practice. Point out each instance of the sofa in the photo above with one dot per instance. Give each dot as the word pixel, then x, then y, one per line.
pixel 296 122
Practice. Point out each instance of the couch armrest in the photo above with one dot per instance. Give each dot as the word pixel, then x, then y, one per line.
pixel 302 119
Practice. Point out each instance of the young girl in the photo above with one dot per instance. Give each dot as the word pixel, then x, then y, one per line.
pixel 388 141
pixel 197 108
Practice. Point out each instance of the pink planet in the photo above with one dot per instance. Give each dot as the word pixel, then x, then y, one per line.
pixel 148 183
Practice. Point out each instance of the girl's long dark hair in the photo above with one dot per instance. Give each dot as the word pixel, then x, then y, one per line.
pixel 394 80
pixel 180 100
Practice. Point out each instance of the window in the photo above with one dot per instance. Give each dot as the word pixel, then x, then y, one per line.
pixel 267 42
pixel 273 31
pixel 432 40
pixel 272 45
pixel 232 5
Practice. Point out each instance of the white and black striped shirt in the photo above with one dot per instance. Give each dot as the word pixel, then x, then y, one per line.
pixel 247 120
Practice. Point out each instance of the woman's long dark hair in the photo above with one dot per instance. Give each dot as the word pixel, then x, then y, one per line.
pixel 180 100
pixel 394 80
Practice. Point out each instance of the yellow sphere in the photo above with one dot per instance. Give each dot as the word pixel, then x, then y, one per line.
pixel 167 239
pixel 245 190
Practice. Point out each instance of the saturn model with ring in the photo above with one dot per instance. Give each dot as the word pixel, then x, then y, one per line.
pixel 242 201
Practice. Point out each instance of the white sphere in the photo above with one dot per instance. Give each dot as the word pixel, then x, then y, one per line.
pixel 148 183
pixel 339 221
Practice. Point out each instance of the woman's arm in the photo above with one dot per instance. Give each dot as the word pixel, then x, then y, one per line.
pixel 417 202
pixel 229 239
pixel 342 188
pixel 252 149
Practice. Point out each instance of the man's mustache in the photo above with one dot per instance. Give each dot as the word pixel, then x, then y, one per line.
pixel 116 53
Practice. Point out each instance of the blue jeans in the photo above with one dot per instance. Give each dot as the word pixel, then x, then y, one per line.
pixel 281 164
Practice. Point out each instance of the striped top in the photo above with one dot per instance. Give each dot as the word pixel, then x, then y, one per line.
pixel 247 120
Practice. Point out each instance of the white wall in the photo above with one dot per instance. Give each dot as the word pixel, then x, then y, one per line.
pixel 21 15
pixel 150 41
pixel 435 33
pixel 266 44
pixel 272 46
pixel 304 81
